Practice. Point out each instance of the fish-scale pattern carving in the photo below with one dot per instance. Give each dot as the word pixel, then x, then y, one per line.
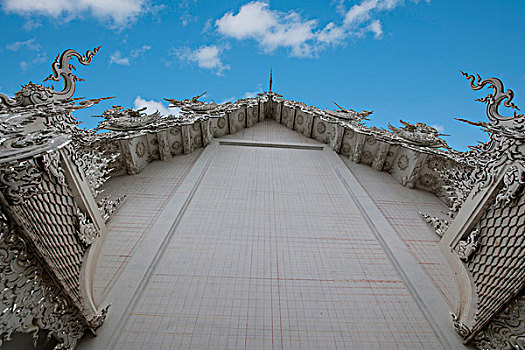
pixel 30 299
pixel 498 266
pixel 51 214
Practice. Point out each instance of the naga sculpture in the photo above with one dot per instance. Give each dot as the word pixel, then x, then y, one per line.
pixel 193 104
pixel 36 94
pixel 349 114
pixel 495 99
pixel 118 119
pixel 420 134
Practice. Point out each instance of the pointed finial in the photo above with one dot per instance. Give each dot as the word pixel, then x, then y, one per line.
pixel 271 79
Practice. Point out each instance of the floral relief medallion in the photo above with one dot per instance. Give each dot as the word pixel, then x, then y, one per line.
pixel 176 146
pixel 197 140
pixel 434 162
pixel 367 155
pixel 240 117
pixel 221 123
pixel 321 127
pixel 428 180
pixel 403 162
pixel 140 149
pixel 346 149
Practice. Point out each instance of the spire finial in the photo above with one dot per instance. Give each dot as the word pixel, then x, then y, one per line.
pixel 271 79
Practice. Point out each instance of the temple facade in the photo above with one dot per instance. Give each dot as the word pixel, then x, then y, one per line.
pixel 263 223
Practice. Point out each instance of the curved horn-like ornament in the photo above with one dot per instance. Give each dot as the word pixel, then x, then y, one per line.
pixel 62 68
pixel 495 99
pixel 36 94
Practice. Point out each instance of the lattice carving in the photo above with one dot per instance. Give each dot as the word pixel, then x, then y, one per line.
pixel 497 265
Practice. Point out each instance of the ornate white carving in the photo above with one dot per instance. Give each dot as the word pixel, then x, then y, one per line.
pixel 87 232
pixel 419 134
pixel 20 181
pixel 41 199
pixel 495 99
pixel 461 328
pixel 30 300
pixel 490 253
pixel 192 104
pixel 458 185
pixel 119 119
pixel 356 118
pixel 92 165
pixel 466 248
pixel 51 162
pixel 513 182
pixel 411 179
pixel 439 225
pixel 107 207
pixel 506 330
pixel 505 145
pixel 34 94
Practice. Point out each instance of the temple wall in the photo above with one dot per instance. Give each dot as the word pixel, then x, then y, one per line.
pixel 261 205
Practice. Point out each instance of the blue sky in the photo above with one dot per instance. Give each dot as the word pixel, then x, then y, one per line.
pixel 398 58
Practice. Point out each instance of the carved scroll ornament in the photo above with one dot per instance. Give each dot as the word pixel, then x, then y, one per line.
pixel 467 247
pixel 35 94
pixel 495 99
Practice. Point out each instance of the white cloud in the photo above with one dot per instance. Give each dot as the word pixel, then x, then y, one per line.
pixel 186 15
pixel 253 19
pixel 359 13
pixel 248 94
pixel 271 29
pixel 207 26
pixel 331 33
pixel 205 56
pixel 275 29
pixel 118 12
pixel 31 24
pixel 37 57
pixel 439 128
pixel 29 44
pixel 117 58
pixel 153 106
pixel 376 28
pixel 140 52
pixel 230 99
